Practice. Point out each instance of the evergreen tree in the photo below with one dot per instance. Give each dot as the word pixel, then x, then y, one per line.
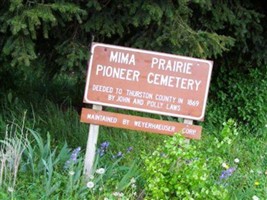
pixel 44 38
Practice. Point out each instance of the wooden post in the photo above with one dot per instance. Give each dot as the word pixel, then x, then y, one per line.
pixel 91 146
pixel 188 121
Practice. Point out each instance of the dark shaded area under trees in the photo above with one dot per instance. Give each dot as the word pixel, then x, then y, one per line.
pixel 44 47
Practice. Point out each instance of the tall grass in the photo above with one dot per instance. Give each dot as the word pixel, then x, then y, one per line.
pixel 43 171
pixel 42 137
pixel 45 174
pixel 11 149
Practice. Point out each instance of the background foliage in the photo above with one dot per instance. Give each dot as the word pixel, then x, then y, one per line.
pixel 44 49
pixel 45 46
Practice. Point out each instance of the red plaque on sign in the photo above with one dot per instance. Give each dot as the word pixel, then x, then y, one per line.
pixel 148 81
pixel 139 123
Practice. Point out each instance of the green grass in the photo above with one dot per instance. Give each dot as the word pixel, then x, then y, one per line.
pixel 48 127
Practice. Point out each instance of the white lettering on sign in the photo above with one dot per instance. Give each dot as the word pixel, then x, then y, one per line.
pixel 165 98
pixel 173 107
pixel 172 66
pixel 139 123
pixel 191 102
pixel 180 100
pixel 134 93
pixel 189 131
pixel 119 73
pixel 123 58
pixel 123 99
pixel 125 121
pixel 148 81
pixel 154 104
pixel 101 88
pixel 138 101
pixel 102 118
pixel 150 125
pixel 173 81
pixel 111 97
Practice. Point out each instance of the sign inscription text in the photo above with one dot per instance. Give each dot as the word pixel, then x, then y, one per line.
pixel 148 81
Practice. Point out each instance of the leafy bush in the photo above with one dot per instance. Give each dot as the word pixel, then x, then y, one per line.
pixel 241 98
pixel 177 170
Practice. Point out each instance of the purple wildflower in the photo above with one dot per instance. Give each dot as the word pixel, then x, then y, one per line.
pixel 119 154
pixel 129 149
pixel 75 154
pixel 103 148
pixel 104 145
pixel 67 164
pixel 226 173
pixel 73 157
pixel 101 152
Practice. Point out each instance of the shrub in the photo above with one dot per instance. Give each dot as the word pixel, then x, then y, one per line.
pixel 177 170
pixel 243 98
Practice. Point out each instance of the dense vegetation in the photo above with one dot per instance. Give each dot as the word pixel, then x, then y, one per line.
pixel 44 49
pixel 41 41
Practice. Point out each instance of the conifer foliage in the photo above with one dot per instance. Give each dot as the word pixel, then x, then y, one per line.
pixel 53 36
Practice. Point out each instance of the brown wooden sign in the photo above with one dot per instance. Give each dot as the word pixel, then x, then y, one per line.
pixel 139 123
pixel 148 81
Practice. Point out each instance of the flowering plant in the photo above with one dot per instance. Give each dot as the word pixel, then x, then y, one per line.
pixel 177 170
pixel 73 158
